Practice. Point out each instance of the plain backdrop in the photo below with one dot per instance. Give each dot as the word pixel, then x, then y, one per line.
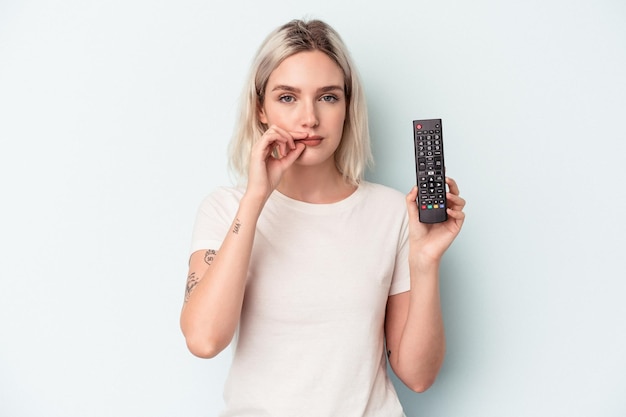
pixel 114 122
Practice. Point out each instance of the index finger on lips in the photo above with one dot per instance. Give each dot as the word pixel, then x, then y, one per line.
pixel 274 140
pixel 285 137
pixel 299 135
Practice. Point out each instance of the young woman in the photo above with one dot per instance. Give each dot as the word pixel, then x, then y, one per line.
pixel 316 274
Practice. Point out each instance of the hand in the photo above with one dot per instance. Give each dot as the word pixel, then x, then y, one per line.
pixel 270 157
pixel 428 242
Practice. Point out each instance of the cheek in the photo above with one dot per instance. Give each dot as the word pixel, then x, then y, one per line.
pixel 339 119
pixel 270 115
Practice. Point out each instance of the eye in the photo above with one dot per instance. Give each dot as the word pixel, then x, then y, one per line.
pixel 286 98
pixel 329 98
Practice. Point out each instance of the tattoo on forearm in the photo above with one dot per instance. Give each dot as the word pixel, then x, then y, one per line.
pixel 209 256
pixel 192 281
pixel 236 226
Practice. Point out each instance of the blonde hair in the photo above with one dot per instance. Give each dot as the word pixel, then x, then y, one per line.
pixel 353 155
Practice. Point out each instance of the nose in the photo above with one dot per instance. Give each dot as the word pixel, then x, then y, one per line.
pixel 309 116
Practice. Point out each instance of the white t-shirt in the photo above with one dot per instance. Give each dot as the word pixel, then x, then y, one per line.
pixel 310 340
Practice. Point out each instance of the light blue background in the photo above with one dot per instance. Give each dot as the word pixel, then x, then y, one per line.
pixel 114 122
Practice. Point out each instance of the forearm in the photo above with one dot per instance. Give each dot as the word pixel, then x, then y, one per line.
pixel 421 348
pixel 414 328
pixel 210 315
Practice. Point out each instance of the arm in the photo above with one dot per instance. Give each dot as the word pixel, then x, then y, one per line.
pixel 217 279
pixel 413 324
pixel 215 287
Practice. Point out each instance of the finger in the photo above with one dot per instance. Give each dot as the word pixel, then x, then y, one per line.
pixel 292 155
pixel 274 142
pixel 412 196
pixel 290 145
pixel 295 136
pixel 275 133
pixel 282 137
pixel 455 200
pixel 283 149
pixel 298 135
pixel 452 186
pixel 288 136
pixel 456 214
pixel 411 203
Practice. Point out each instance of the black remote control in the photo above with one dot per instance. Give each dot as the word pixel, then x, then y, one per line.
pixel 431 170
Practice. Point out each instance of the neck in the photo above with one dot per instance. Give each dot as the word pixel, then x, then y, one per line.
pixel 315 185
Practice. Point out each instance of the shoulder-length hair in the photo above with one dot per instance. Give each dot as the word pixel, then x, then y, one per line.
pixel 354 154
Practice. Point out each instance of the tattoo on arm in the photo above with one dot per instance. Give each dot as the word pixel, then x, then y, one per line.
pixel 192 281
pixel 236 226
pixel 209 256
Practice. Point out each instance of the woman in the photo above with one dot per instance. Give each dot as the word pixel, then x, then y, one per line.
pixel 314 271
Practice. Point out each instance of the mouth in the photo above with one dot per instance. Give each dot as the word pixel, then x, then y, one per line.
pixel 311 141
pixel 313 137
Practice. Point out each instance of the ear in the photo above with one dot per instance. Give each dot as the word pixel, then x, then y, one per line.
pixel 261 114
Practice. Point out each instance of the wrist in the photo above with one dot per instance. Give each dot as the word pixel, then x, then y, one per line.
pixel 424 265
pixel 252 203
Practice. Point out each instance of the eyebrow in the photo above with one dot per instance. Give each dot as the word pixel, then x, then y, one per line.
pixel 289 88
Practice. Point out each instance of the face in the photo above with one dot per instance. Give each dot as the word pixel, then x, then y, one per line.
pixel 305 93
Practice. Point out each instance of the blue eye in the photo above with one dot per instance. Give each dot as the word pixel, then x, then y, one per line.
pixel 329 98
pixel 286 99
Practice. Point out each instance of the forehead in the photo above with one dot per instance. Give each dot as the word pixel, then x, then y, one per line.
pixel 307 69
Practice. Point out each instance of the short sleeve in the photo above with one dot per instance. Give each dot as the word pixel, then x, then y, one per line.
pixel 401 280
pixel 214 217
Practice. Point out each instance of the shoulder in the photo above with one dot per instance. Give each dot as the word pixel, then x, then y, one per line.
pixel 383 201
pixel 222 198
pixel 229 192
pixel 383 193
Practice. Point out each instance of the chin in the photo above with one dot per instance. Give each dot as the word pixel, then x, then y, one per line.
pixel 310 158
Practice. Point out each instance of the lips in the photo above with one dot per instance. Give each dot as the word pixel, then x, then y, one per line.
pixel 310 140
